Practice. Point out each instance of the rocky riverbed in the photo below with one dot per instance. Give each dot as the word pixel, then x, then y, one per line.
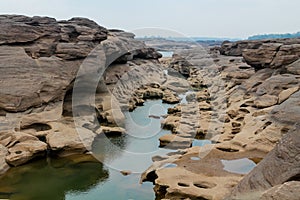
pixel 235 106
pixel 245 94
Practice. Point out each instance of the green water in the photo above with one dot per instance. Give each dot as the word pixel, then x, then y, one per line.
pixel 84 178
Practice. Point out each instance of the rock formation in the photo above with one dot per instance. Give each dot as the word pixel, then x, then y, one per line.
pixel 247 101
pixel 264 53
pixel 40 59
pixel 243 101
pixel 281 165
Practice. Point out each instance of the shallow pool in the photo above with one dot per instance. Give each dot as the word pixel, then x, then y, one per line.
pixel 72 179
pixel 166 54
pixel 239 166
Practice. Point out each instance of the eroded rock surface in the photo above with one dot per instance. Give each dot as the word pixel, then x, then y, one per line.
pixel 245 105
pixel 279 166
pixel 40 59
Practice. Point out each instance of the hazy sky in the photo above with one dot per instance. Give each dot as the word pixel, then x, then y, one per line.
pixel 212 18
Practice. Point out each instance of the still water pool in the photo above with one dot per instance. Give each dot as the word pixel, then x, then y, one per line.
pixel 83 177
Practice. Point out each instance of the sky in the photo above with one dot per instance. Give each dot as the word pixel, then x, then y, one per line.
pixel 190 18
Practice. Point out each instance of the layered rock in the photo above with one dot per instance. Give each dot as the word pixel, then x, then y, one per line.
pixel 42 61
pixel 264 53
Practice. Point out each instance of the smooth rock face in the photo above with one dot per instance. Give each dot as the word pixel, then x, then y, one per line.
pixel 294 68
pixel 288 112
pixel 279 166
pixel 289 191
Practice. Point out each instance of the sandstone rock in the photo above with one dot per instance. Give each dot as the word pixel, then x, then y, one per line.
pixel 236 49
pixel 286 55
pixel 40 59
pixel 294 68
pixel 66 140
pixel 263 56
pixel 265 101
pixel 264 53
pixel 22 29
pixel 113 131
pixel 288 191
pixel 3 165
pixel 279 166
pixel 174 141
pixel 284 95
pixel 288 112
pixel 25 151
pixel 180 65
pixel 169 97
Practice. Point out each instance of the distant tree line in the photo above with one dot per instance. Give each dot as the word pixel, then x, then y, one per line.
pixel 274 36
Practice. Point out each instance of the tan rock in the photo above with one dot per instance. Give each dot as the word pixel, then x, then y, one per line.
pixel 265 101
pixel 125 172
pixel 173 141
pixel 67 140
pixel 25 151
pixel 284 95
pixel 3 164
pixel 289 190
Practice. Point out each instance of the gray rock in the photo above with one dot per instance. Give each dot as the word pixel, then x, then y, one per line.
pixel 289 111
pixel 264 53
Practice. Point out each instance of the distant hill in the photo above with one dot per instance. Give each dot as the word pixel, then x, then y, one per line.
pixel 274 36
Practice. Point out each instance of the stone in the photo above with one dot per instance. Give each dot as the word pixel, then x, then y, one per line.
pixel 279 166
pixel 180 65
pixel 265 101
pixel 288 190
pixel 25 151
pixel 65 140
pixel 294 68
pixel 264 53
pixel 288 112
pixel 3 164
pixel 263 56
pixel 113 131
pixel 174 142
pixel 40 58
pixel 285 94
pixel 125 172
pixel 170 98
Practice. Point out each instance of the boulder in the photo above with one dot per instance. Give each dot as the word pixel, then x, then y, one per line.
pixel 66 140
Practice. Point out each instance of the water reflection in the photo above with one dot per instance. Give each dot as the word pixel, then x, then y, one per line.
pixel 239 166
pixel 78 178
pixel 52 178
